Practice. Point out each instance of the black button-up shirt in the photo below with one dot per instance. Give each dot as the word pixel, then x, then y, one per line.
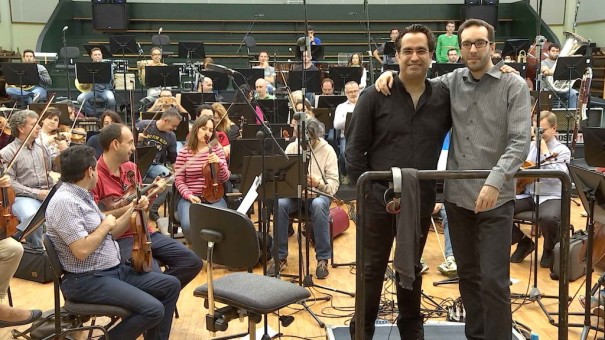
pixel 387 131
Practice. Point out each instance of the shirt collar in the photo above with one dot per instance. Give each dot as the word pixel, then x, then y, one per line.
pixel 493 72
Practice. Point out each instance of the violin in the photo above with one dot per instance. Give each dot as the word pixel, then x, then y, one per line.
pixel 116 202
pixel 8 222
pixel 141 247
pixel 521 183
pixel 214 190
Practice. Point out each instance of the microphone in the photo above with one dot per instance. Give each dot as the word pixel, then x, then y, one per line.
pixel 65 28
pixel 140 49
pixel 259 15
pixel 290 49
pixel 160 30
pixel 220 68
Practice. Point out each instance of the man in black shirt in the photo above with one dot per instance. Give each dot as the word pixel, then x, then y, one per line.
pixel 415 118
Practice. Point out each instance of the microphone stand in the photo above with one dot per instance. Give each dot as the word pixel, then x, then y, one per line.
pixel 239 48
pixel 371 57
pixel 65 65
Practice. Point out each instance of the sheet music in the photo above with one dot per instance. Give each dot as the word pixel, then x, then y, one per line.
pixel 251 196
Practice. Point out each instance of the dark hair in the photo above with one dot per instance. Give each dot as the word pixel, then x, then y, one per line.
pixel 417 28
pixel 310 28
pixel 51 112
pixel 491 35
pixel 327 80
pixel 171 113
pixel 110 133
pixel 29 51
pixel 261 52
pixel 360 59
pixel 204 107
pixel 192 141
pixel 243 94
pixel 452 49
pixel 115 117
pixel 554 45
pixel 95 49
pixel 394 29
pixel 450 22
pixel 75 160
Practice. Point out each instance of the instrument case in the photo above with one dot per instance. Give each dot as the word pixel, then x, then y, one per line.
pixel 34 266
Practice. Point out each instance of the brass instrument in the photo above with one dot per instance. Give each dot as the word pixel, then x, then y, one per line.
pixel 583 99
pixel 23 87
pixel 573 42
pixel 522 57
pixel 82 87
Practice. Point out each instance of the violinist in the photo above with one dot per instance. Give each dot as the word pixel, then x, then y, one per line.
pixel 30 172
pixel 223 123
pixel 223 139
pixel 5 132
pixel 107 117
pixel 550 193
pixel 192 183
pixel 323 176
pixel 83 238
pixel 112 170
pixel 50 136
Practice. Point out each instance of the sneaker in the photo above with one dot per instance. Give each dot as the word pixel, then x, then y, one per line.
pixel 524 248
pixel 449 267
pixel 547 259
pixel 322 269
pixel 282 265
pixel 424 266
pixel 36 98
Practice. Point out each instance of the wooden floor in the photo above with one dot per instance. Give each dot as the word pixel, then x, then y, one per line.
pixel 338 311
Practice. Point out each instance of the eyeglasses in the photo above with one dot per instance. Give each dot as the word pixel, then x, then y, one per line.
pixel 352 91
pixel 478 44
pixel 410 51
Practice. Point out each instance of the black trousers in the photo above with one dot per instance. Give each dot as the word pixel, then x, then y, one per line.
pixel 379 233
pixel 550 218
pixel 481 244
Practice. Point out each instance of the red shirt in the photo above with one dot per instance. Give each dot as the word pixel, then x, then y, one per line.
pixel 109 185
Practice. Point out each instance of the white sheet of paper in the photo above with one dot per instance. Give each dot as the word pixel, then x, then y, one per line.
pixel 251 196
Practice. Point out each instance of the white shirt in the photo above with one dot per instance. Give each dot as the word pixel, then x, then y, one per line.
pixel 340 116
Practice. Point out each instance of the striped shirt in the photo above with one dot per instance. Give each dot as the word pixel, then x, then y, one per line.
pixel 71 216
pixel 491 130
pixel 190 182
pixel 30 173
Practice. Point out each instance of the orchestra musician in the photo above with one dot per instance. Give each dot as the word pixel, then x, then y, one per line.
pixel 156 60
pixel 30 173
pixel 103 91
pixel 195 156
pixel 112 170
pixel 34 93
pixel 5 132
pixel 83 238
pixel 166 101
pixel 356 60
pixel 49 133
pixel 107 117
pixel 223 123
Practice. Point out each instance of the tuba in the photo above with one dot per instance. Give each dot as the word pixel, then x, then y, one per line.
pixel 573 42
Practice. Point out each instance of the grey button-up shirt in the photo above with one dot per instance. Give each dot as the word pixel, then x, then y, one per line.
pixel 30 173
pixel 491 131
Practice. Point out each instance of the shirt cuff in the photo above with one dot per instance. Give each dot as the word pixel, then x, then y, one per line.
pixel 495 179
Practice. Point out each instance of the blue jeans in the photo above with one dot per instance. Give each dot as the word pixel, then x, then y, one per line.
pixel 156 170
pixel 151 297
pixel 319 213
pixel 181 262
pixel 28 96
pixel 24 208
pixel 106 95
pixel 183 210
pixel 342 169
pixel 446 232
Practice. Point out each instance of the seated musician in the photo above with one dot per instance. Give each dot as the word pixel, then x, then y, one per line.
pixel 107 117
pixel 34 93
pixel 49 134
pixel 223 139
pixel 356 60
pixel 261 89
pixel 322 176
pixel 156 60
pixel 553 155
pixel 160 133
pixel 112 169
pixel 190 182
pixel 5 132
pixel 340 119
pixel 223 123
pixel 263 62
pixel 206 85
pixel 307 63
pixel 30 172
pixel 103 91
pixel 84 240
pixel 166 101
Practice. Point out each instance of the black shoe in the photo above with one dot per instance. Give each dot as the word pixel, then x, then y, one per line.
pixel 548 257
pixel 290 230
pixel 153 215
pixel 321 272
pixel 35 315
pixel 282 265
pixel 524 248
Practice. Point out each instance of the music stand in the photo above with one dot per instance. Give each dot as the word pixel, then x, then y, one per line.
pixel 569 68
pixel 342 75
pixel 519 67
pixel 248 76
pixel 241 148
pixel 104 51
pixel 313 81
pixel 119 44
pixel 63 108
pixel 191 49
pixel 242 110
pixel 182 130
pixel 439 69
pixel 162 76
pixel 21 74
pixel 326 117
pixel 93 73
pixel 249 131
pixel 591 189
pixel 317 52
pixel 512 47
pixel 330 102
pixel 594 146
pixel 392 67
pixel 68 54
pixel 389 49
pixel 145 157
pixel 39 217
pixel 275 110
pixel 192 100
pixel 278 170
pixel 220 81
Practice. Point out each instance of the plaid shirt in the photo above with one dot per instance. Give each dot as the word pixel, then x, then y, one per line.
pixel 72 215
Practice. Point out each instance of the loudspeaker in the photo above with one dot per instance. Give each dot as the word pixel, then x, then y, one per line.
pixel 109 16
pixel 472 2
pixel 486 13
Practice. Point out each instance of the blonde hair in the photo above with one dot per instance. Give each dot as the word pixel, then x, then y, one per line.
pixel 226 122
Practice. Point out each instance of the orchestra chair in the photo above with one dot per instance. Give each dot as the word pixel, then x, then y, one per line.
pixel 527 218
pixel 227 237
pixel 82 311
pixel 174 222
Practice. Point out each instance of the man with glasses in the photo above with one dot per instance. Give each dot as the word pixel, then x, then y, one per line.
pixel 156 60
pixel 491 124
pixel 340 120
pixel 553 155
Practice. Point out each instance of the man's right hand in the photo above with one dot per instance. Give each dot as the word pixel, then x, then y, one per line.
pixel 42 195
pixel 110 221
pixel 384 83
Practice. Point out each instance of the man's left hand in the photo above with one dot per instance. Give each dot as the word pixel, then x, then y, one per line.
pixel 508 69
pixel 487 198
